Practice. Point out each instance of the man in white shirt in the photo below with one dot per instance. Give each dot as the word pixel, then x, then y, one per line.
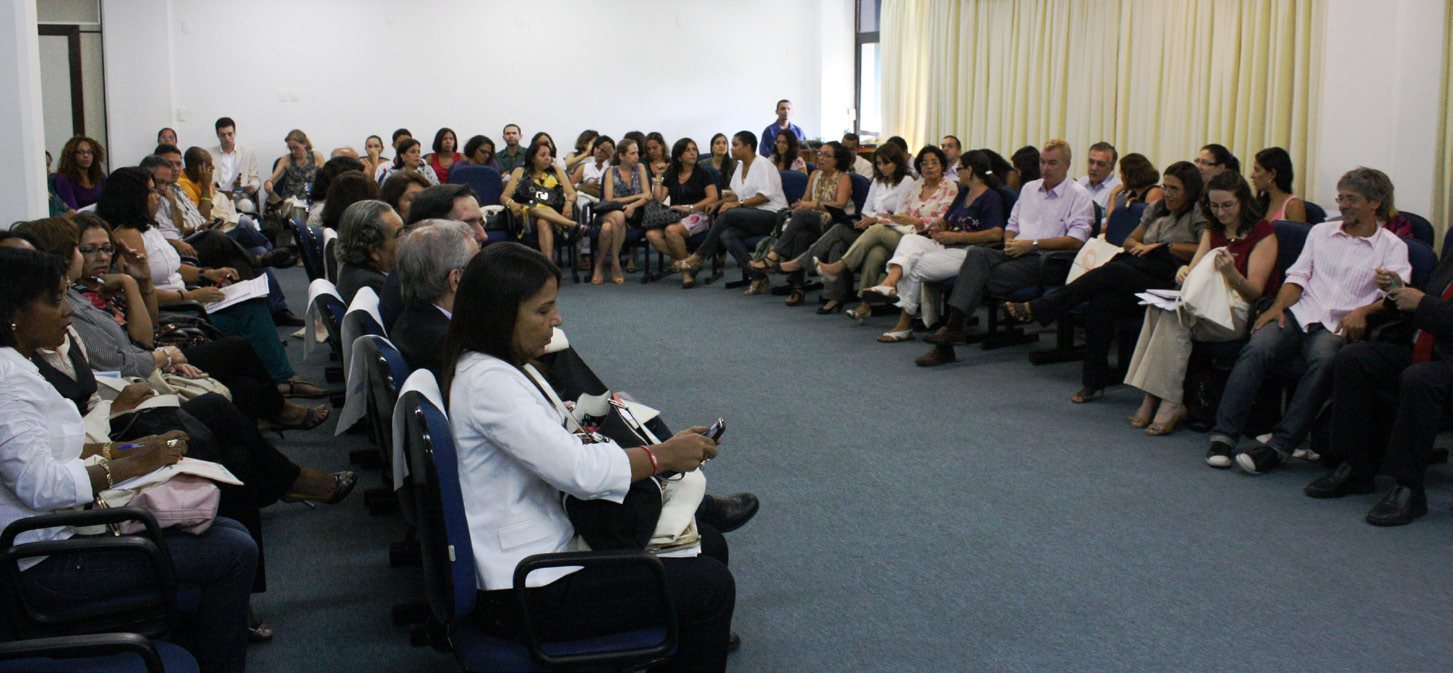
pixel 954 150
pixel 237 174
pixel 1052 214
pixel 751 211
pixel 1325 301
pixel 861 165
pixel 1100 178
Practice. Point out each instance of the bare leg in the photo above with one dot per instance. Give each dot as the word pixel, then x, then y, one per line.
pixel 545 233
pixel 617 240
pixel 675 241
pixel 895 274
pixel 657 239
pixel 905 321
pixel 604 244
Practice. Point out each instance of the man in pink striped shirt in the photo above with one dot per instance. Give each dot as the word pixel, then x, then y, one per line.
pixel 1328 295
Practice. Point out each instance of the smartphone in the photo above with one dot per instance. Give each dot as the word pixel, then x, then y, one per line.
pixel 716 430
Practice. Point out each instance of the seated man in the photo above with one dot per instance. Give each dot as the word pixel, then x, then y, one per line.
pixel 430 261
pixel 1330 291
pixel 769 134
pixel 861 165
pixel 953 149
pixel 1052 213
pixel 368 235
pixel 512 156
pixel 440 202
pixel 1100 175
pixel 237 175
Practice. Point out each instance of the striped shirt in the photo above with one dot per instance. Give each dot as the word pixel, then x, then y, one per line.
pixel 1336 272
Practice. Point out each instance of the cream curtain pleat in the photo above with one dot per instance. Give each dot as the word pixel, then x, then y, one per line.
pixel 1158 77
pixel 1443 175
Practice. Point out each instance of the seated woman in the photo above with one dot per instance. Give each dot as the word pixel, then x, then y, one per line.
pixel 1271 177
pixel 625 183
pixel 721 159
pixel 1003 170
pixel 927 203
pixel 79 178
pixel 399 189
pixel 479 151
pixel 515 458
pixel 1026 165
pixel 1214 159
pixel 373 159
pixel 584 146
pixel 976 217
pixel 1243 247
pixel 367 240
pixel 323 183
pixel 589 176
pixel 543 137
pixel 128 204
pixel 1138 184
pixel 115 309
pixel 786 153
pixel 293 174
pixel 346 190
pixel 691 190
pixel 828 190
pixel 1161 244
pixel 42 446
pixel 540 193
pixel 410 159
pixel 654 158
pixel 890 189
pixel 446 152
pixel 751 210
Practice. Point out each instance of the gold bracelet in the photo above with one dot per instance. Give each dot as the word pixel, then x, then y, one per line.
pixel 106 465
pixel 106 450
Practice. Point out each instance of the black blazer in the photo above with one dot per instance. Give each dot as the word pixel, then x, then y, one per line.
pixel 1436 315
pixel 351 277
pixel 419 334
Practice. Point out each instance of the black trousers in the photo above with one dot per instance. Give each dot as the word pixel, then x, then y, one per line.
pixel 234 362
pixel 593 602
pixel 730 231
pixel 1110 291
pixel 1386 410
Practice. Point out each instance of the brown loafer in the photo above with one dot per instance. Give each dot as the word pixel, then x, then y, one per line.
pixel 947 337
pixel 938 355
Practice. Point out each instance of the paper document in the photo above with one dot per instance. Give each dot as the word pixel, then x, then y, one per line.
pixel 1164 299
pixel 240 292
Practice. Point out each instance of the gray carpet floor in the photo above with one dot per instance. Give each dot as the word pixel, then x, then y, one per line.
pixel 967 517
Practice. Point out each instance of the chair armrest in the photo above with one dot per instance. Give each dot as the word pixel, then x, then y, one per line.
pixel 79 647
pixel 184 306
pixel 597 559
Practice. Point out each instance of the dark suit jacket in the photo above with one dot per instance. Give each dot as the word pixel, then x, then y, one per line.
pixel 419 335
pixel 391 301
pixel 1436 315
pixel 351 277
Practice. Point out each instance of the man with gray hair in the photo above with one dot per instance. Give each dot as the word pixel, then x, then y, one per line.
pixel 368 236
pixel 431 260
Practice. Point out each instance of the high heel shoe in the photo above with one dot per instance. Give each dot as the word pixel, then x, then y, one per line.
pixel 831 307
pixel 1160 429
pixel 343 483
pixel 817 266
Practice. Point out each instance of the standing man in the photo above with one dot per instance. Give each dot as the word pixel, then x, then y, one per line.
pixel 769 135
pixel 1100 178
pixel 861 165
pixel 235 170
pixel 512 156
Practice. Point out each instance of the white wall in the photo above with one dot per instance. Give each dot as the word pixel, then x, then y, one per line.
pixel 366 67
pixel 1382 77
pixel 22 169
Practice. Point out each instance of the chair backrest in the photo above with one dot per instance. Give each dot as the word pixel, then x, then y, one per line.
pixel 1122 222
pixel 444 543
pixel 811 167
pixel 794 186
pixel 715 175
pixel 310 249
pixel 330 255
pixel 1315 213
pixel 484 180
pixel 1423 260
pixel 1422 228
pixel 1447 242
pixel 1011 196
pixel 861 185
pixel 386 371
pixel 1095 227
pixel 1290 237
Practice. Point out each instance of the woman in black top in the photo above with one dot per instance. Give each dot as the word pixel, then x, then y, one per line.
pixel 692 190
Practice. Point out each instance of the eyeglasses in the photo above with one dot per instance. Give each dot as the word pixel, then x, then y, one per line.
pixel 93 249
pixel 1224 206
pixel 1206 163
pixel 1348 200
pixel 85 152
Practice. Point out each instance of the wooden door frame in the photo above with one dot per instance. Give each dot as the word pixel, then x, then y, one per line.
pixel 73 42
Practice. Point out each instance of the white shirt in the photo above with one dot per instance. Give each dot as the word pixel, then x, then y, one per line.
pixel 190 215
pixel 41 437
pixel 515 458
pixel 862 166
pixel 164 261
pixel 1336 270
pixel 1066 210
pixel 886 199
pixel 1101 193
pixel 763 179
pixel 240 164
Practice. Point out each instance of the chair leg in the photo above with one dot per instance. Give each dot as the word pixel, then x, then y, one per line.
pixel 1065 349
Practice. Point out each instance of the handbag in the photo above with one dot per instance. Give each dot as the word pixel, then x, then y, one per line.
pixel 659 215
pixel 182 496
pixel 184 387
pixel 696 223
pixel 1093 254
pixel 539 195
pixel 1206 295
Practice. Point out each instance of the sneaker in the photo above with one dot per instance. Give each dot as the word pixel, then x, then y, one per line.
pixel 1219 455
pixel 1259 460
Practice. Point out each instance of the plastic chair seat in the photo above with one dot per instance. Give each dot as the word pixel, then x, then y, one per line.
pixel 478 651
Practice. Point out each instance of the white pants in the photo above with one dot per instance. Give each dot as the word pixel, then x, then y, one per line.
pixel 923 260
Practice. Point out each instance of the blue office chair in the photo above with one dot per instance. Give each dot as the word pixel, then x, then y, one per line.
pixel 794 186
pixel 1423 260
pixel 1095 227
pixel 485 182
pixel 1422 228
pixel 715 176
pixel 1315 213
pixel 1011 196
pixel 1123 222
pixel 861 185
pixel 811 167
pixel 450 570
pixel 386 371
pixel 310 249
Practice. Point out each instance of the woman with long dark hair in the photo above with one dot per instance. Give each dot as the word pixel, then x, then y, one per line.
pixel 540 193
pixel 1271 177
pixel 691 190
pixel 446 152
pixel 81 173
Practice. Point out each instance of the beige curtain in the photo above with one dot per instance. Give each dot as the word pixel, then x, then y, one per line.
pixel 1158 77
pixel 1443 175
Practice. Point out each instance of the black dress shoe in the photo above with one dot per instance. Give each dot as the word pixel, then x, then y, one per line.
pixel 1399 507
pixel 727 513
pixel 1341 482
pixel 280 258
pixel 286 318
pixel 734 642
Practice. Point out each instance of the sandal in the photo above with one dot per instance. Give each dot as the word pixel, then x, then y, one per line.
pixel 796 297
pixel 258 631
pixel 688 280
pixel 343 483
pixel 817 266
pixel 314 417
pixel 298 386
pixel 1019 312
pixel 895 337
pixel 758 286
pixel 1158 429
pixel 1087 394
pixel 881 292
pixel 861 314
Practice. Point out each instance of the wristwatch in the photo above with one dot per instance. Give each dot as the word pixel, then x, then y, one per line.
pixel 1035 243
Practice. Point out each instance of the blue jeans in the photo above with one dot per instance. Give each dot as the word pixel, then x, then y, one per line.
pixel 247 235
pixel 1269 345
pixel 214 580
pixel 252 320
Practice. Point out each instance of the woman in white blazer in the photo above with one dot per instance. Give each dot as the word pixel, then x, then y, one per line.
pixel 516 457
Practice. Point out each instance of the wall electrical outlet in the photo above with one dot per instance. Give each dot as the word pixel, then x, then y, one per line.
pixel 182 114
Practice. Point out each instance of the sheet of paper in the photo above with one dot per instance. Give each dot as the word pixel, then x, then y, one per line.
pixel 240 292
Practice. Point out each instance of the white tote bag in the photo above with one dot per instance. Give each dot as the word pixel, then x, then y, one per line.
pixel 1207 295
pixel 1092 255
